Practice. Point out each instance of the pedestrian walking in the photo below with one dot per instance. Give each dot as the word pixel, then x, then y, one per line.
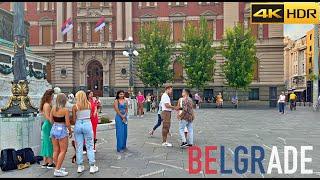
pixel 159 121
pixel 166 114
pixel 83 131
pixel 60 130
pixel 281 102
pixel 197 98
pixel 99 104
pixel 121 108
pixel 140 99
pixel 46 143
pixel 148 99
pixel 186 117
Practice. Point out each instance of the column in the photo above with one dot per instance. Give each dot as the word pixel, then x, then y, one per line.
pixel 119 22
pixel 128 7
pixel 69 15
pixel 59 21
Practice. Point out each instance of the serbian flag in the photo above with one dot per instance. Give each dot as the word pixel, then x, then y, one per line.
pixel 100 24
pixel 67 26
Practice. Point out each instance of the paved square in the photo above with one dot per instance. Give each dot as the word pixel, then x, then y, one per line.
pixel 228 127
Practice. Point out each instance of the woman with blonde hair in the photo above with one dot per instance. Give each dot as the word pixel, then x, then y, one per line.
pixel 59 116
pixel 83 131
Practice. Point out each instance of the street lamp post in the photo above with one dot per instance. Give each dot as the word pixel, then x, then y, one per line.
pixel 130 52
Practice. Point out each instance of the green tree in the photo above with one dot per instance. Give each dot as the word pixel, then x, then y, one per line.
pixel 154 57
pixel 197 55
pixel 239 50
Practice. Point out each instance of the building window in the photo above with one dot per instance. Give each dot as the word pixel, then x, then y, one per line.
pixel 208 3
pixel 177 3
pixel 84 32
pixel 254 94
pixel 95 4
pixel 177 31
pixel 83 4
pixel 46 35
pixel 177 71
pixel 256 71
pixel 303 71
pixel 310 36
pixel 95 36
pixel 310 71
pixel 310 59
pixel 310 48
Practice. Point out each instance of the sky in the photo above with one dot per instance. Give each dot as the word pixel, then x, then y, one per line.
pixel 296 31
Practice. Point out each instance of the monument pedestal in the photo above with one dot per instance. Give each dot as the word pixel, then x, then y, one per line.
pixel 132 107
pixel 21 132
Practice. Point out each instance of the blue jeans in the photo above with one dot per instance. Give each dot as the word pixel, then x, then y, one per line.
pixel 182 125
pixel 58 131
pixel 83 131
pixel 281 107
pixel 158 123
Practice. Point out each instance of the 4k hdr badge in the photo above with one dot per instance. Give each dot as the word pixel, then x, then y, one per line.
pixel 285 13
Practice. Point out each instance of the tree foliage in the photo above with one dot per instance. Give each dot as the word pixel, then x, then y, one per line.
pixel 238 48
pixel 154 58
pixel 198 55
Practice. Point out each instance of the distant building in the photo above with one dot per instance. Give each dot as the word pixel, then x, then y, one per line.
pixel 295 55
pixel 85 59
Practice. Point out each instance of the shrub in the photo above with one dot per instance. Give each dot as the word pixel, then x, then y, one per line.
pixel 105 120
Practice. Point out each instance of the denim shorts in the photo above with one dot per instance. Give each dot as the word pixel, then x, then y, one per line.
pixel 59 131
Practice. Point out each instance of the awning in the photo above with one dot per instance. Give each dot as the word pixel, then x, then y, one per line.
pixel 299 90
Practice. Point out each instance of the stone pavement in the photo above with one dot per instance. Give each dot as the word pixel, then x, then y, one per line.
pixel 228 127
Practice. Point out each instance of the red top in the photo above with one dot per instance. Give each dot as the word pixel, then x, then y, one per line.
pixel 140 98
pixel 94 117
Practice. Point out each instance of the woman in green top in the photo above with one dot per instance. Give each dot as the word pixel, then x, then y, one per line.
pixel 46 143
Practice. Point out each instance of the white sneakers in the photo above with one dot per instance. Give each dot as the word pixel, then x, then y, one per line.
pixel 93 169
pixel 80 169
pixel 167 144
pixel 60 173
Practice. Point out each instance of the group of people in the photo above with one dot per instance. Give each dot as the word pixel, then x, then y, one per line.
pixel 185 115
pixel 57 130
pixel 150 101
pixel 283 99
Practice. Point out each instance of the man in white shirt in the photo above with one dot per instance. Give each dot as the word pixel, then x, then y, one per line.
pixel 166 108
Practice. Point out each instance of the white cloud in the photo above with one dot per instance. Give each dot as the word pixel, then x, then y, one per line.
pixel 296 31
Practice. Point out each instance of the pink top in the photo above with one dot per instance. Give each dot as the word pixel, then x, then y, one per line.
pixel 140 98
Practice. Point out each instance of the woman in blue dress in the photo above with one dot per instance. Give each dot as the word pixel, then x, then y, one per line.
pixel 121 108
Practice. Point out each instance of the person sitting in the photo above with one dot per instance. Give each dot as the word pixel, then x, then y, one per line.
pixel 235 101
pixel 219 100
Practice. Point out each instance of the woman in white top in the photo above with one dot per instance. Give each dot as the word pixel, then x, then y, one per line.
pixel 281 102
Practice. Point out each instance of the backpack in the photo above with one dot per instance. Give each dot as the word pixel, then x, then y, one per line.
pixel 26 155
pixel 9 160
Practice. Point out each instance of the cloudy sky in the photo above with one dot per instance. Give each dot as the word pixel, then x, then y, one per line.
pixel 296 31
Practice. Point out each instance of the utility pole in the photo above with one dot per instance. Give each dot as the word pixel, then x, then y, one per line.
pixel 316 65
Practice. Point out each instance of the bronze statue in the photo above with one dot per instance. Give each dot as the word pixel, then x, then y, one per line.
pixel 19 103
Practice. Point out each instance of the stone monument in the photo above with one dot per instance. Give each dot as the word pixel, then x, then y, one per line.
pixel 19 103
pixel 18 126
